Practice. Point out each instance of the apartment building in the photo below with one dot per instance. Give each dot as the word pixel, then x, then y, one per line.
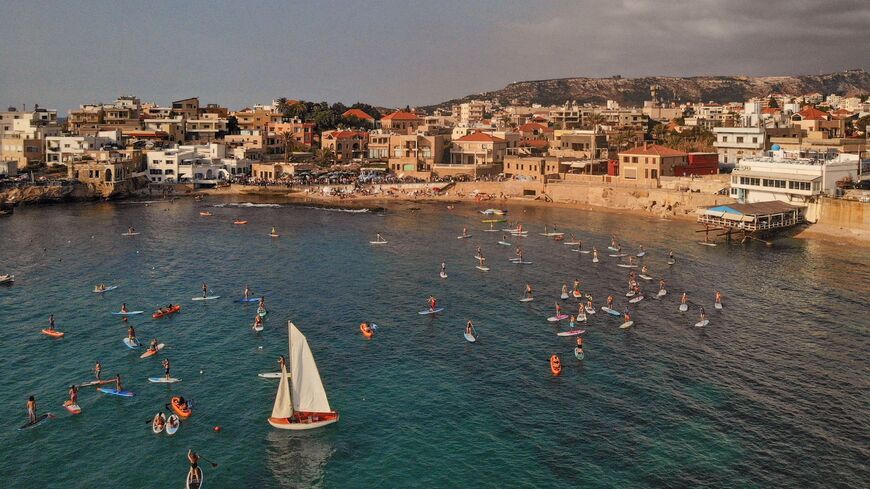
pixel 206 128
pixel 735 143
pixel 345 145
pixel 401 122
pixel 474 155
pixel 60 150
pixel 22 135
pixel 645 164
pixel 579 143
pixel 303 134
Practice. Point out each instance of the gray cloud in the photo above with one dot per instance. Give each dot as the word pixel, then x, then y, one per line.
pixel 398 52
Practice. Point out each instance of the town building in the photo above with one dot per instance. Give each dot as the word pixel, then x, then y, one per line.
pixel 359 115
pixel 345 145
pixel 401 122
pixel 22 135
pixel 60 150
pixel 187 108
pixel 206 128
pixel 302 134
pixel 579 143
pixel 735 143
pixel 646 164
pixel 475 155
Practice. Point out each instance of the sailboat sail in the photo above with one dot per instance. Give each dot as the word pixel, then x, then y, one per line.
pixel 282 407
pixel 308 392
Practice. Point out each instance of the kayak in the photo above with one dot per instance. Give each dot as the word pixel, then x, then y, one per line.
pixel 182 412
pixel 194 483
pixel 430 311
pixel 701 324
pixel 368 334
pixel 151 352
pixel 684 307
pixel 208 298
pixel 172 424
pixel 557 318
pixel 113 287
pixel 165 312
pixel 555 366
pixel 612 312
pixel 470 338
pixel 128 313
pixel 132 344
pixel 271 375
pixel 240 222
pixel 504 243
pixel 377 242
pixel 578 353
pixel 257 327
pixel 635 299
pixel 115 392
pixel 572 332
pixel 158 427
pixel 163 380
pixel 53 334
pixel 73 408
pixel 38 421
pixel 564 296
pixel 626 324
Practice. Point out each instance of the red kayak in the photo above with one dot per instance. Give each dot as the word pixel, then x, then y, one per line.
pixel 165 312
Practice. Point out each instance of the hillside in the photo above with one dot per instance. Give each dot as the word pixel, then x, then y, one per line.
pixel 633 91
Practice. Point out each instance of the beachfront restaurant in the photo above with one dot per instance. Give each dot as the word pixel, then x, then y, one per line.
pixel 761 216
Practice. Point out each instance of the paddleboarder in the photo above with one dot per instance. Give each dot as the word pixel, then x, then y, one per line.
pixel 195 473
pixel 247 294
pixel 51 322
pixel 204 290
pixel 31 410
pixel 131 334
pixel 433 303
pixel 166 367
pixel 97 369
pixel 528 291
pixel 73 396
pixel 469 328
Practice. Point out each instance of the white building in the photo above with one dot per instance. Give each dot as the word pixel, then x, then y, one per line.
pixel 791 178
pixel 736 143
pixel 61 149
pixel 200 164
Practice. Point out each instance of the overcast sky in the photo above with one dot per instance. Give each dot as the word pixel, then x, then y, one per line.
pixel 393 53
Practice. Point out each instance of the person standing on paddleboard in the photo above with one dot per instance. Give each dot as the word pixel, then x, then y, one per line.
pixel 124 307
pixel 282 362
pixel 433 303
pixel 73 395
pixel 166 367
pixel 610 302
pixel 662 284
pixel 153 345
pixel 97 369
pixel 718 297
pixel 703 314
pixel 469 328
pixel 195 473
pixel 204 290
pixel 31 409
pixel 131 333
pixel 51 322
pixel 443 267
pixel 117 380
pixel 528 291
pixel 247 293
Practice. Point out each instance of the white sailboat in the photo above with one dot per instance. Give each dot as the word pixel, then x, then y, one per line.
pixel 306 406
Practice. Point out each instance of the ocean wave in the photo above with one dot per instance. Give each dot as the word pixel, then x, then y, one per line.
pixel 247 204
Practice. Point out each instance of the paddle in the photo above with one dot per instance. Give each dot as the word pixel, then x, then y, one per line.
pixel 213 465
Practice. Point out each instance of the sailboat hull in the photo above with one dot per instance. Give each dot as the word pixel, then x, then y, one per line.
pixel 304 421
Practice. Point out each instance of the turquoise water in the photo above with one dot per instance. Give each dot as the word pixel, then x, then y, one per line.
pixel 773 393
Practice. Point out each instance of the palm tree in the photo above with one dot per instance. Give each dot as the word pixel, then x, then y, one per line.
pixel 325 154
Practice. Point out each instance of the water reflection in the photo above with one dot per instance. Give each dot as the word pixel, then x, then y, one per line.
pixel 297 459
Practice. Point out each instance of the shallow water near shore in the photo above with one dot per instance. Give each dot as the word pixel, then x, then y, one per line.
pixel 771 394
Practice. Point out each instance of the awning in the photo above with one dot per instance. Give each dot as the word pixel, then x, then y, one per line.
pixel 778 176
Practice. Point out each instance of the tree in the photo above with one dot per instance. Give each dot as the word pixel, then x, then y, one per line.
pixel 325 155
pixel 772 103
pixel 861 124
pixel 368 109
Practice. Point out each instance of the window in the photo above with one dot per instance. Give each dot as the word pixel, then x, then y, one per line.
pixel 755 139
pixel 724 139
pixel 655 174
pixel 630 174
pixel 739 139
pixel 634 159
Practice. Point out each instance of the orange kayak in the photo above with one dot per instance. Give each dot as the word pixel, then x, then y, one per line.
pixel 240 222
pixel 53 334
pixel 182 412
pixel 555 365
pixel 367 333
pixel 163 312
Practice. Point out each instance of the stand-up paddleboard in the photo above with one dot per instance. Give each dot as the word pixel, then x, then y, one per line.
pixel 149 352
pixel 469 338
pixel 195 483
pixel 590 309
pixel 527 299
pixel 73 408
pixel 113 287
pixel 645 277
pixel 271 375
pixel 595 260
pixel 478 257
pixel 163 380
pixel 131 344
pixel 482 269
pixel 626 265
pixel 207 298
pixel 560 317
pixel 613 248
pixel 128 313
pixel 465 236
pixel 442 275
pixel 718 305
pixel 274 235
pixel 158 427
pixel 630 293
pixel 115 392
pixel 684 307
pixel 90 383
pixel 635 299
pixel 642 253
pixel 564 296
pixel 626 325
pixel 257 327
pixel 130 234
pixel 572 243
pixel 519 262
pixel 490 230
pixel 262 312
pixel 671 262
pixel 377 242
pixel 706 244
pixel 38 421
pixel 572 332
pixel 172 424
pixel 585 252
pixel 612 312
pixel 250 299
pixel 701 324
pixel 662 293
pixel 514 258
pixel 578 354
pixel 53 334
pixel 504 243
pixel 618 255
pixel 430 311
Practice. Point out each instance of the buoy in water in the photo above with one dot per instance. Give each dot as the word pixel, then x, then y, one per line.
pixel 217 429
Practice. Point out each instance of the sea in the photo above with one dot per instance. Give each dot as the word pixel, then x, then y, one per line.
pixel 773 392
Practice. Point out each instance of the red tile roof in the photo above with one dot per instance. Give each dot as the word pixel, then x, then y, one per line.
pixel 813 114
pixel 358 113
pixel 481 137
pixel 535 143
pixel 653 150
pixel 770 110
pixel 401 115
pixel 532 126
pixel 344 134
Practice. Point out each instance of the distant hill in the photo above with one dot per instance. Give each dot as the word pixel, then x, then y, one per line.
pixel 633 91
